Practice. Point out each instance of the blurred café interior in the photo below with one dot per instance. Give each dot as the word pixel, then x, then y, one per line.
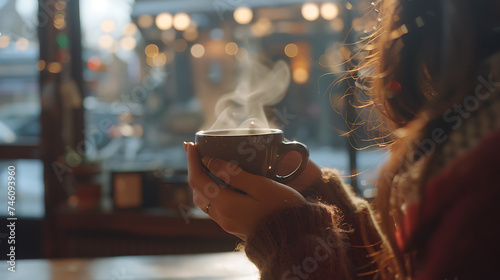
pixel 97 97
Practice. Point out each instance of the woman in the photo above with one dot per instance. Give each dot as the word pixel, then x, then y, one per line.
pixel 435 79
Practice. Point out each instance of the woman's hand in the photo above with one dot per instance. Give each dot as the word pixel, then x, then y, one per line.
pixel 236 212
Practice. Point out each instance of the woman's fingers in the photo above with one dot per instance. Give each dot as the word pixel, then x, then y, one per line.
pixel 235 212
pixel 257 187
pixel 200 200
pixel 198 179
pixel 205 189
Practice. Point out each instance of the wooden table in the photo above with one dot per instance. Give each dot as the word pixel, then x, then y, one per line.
pixel 234 266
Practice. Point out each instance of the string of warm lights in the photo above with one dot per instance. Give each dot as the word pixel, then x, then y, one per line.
pixel 259 25
pixel 328 11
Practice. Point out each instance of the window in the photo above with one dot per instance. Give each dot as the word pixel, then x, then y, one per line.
pixel 29 188
pixel 154 71
pixel 20 105
pixel 19 90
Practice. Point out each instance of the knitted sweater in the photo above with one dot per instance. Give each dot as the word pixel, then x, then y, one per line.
pixel 455 218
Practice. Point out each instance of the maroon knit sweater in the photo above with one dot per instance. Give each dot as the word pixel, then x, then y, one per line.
pixel 460 226
pixel 452 230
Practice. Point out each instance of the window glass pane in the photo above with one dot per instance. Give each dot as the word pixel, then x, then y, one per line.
pixel 19 65
pixel 155 70
pixel 29 192
pixel 369 164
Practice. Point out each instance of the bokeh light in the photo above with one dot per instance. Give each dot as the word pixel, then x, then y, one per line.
pixel 54 67
pixel 60 5
pixel 190 34
pixel 59 21
pixel 215 48
pixel 94 63
pixel 344 53
pixel 106 42
pixel 242 54
pixel 130 29
pixel 181 21
pixel 151 50
pixel 40 65
pixel 128 43
pixel 160 59
pixel 4 41
pixel 243 15
pixel 329 11
pixel 300 76
pixel 164 21
pixel 22 44
pixel 197 50
pixel 145 21
pixel 262 27
pixel 108 26
pixel 310 11
pixel 62 41
pixel 337 24
pixel 291 50
pixel 231 48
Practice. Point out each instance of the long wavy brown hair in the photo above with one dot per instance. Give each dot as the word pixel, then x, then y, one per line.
pixel 425 56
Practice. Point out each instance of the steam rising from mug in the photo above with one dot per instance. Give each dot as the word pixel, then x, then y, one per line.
pixel 260 87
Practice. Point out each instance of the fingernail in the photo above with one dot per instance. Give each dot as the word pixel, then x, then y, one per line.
pixel 185 146
pixel 211 163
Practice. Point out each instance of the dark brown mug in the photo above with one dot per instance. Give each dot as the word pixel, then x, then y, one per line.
pixel 257 151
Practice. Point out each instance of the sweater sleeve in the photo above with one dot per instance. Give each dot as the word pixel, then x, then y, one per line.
pixel 303 242
pixel 332 239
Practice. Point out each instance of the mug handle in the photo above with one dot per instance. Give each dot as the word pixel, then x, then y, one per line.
pixel 284 149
